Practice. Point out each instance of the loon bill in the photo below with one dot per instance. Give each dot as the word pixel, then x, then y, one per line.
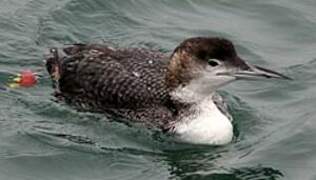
pixel 175 93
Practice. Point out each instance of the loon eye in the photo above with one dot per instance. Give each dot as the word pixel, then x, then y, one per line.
pixel 213 62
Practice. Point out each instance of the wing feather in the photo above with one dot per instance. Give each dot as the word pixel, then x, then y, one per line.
pixel 108 78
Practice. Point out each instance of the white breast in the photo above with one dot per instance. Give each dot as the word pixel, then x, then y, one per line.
pixel 206 126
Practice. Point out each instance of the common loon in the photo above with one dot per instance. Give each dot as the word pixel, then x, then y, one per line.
pixel 174 93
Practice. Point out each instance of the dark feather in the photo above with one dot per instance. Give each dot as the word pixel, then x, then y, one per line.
pixel 125 82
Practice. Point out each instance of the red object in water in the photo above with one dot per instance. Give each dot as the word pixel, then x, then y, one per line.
pixel 28 78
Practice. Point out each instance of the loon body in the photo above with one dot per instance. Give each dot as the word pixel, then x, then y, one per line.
pixel 175 93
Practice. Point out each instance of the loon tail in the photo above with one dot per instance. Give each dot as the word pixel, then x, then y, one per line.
pixel 55 61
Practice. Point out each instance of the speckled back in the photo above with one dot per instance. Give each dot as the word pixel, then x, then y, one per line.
pixel 110 78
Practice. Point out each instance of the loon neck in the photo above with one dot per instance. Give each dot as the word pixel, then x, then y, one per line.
pixel 193 93
pixel 186 81
pixel 185 95
pixel 202 122
pixel 205 124
pixel 181 69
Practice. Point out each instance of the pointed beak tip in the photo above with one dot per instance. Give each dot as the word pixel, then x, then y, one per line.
pixel 270 73
pixel 253 72
pixel 283 77
pixel 288 78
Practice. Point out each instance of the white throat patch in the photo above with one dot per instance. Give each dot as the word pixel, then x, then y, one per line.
pixel 200 88
pixel 207 125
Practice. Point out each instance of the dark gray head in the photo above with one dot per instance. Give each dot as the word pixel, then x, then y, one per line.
pixel 204 64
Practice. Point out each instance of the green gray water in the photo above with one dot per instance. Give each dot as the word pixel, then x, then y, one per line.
pixel 275 121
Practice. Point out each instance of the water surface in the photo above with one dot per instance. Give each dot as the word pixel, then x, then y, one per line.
pixel 275 121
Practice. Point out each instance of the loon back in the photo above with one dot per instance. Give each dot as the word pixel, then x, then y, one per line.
pixel 124 82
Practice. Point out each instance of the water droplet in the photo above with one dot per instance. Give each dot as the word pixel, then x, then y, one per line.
pixel 111 48
pixel 136 74
pixel 93 51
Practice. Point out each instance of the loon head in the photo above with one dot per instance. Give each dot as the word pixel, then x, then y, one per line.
pixel 199 66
